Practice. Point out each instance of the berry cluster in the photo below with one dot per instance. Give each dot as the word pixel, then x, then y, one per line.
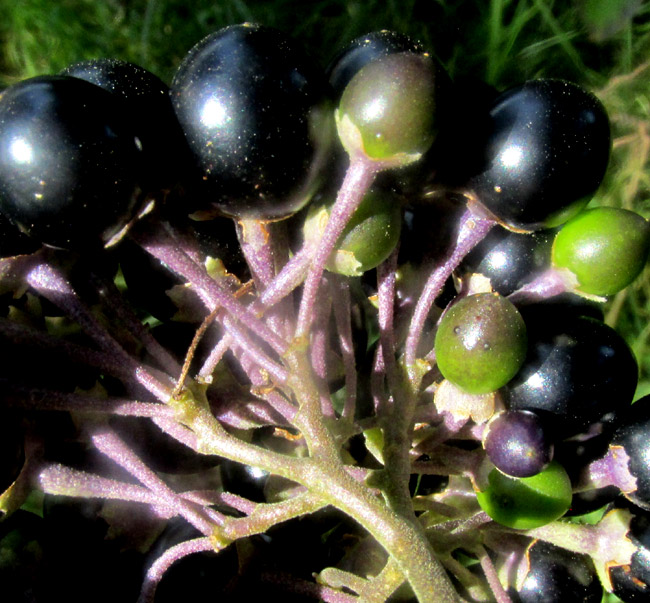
pixel 272 288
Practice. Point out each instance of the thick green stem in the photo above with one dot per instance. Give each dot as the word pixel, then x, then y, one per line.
pixel 405 544
pixel 325 475
pixel 309 418
pixel 382 586
pixel 397 444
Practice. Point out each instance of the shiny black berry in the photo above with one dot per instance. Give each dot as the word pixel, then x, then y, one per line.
pixel 631 583
pixel 545 154
pixel 147 103
pixel 243 480
pixel 633 436
pixel 363 50
pixel 69 162
pixel 509 259
pixel 556 575
pixel 578 371
pixel 255 114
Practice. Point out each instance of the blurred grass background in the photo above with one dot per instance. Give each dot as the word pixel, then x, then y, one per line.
pixel 602 44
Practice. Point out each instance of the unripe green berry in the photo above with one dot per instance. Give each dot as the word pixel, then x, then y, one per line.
pixel 388 110
pixel 368 238
pixel 605 248
pixel 525 503
pixel 481 343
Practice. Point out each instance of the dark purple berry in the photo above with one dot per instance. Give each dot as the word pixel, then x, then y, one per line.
pixel 578 372
pixel 517 444
pixel 69 162
pixel 254 111
pixel 546 153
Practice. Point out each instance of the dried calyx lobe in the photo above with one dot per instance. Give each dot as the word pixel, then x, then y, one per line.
pixel 256 114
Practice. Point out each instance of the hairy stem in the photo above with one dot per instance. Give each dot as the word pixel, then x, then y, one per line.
pixel 472 230
pixel 358 179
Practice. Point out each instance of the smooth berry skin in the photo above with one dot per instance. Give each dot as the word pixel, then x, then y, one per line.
pixel 578 372
pixel 509 259
pixel 255 113
pixel 545 154
pixel 373 231
pixel 243 480
pixel 368 238
pixel 147 104
pixel 555 575
pixel 363 50
pixel 69 163
pixel 517 444
pixel 575 455
pixel 388 110
pixel 480 343
pixel 633 435
pixel 527 502
pixel 606 248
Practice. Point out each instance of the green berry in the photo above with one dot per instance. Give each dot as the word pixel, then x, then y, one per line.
pixel 527 502
pixel 388 110
pixel 369 237
pixel 481 343
pixel 605 248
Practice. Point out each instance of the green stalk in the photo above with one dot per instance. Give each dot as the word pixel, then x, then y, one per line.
pixel 325 474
